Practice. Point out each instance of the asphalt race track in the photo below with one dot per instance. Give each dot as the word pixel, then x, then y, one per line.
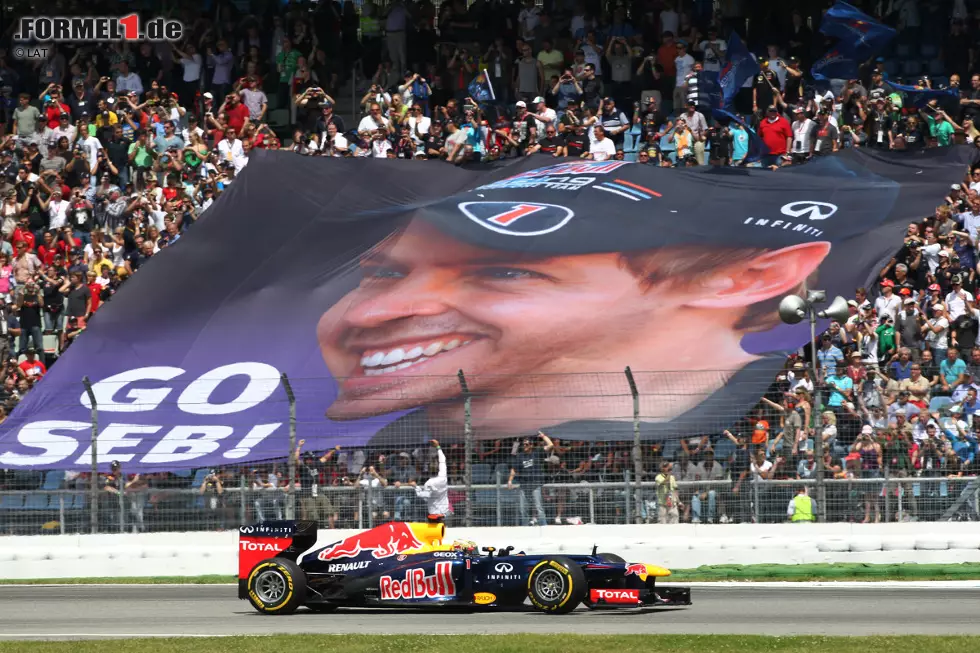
pixel 68 612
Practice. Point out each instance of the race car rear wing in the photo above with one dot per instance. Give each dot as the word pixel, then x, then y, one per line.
pixel 282 539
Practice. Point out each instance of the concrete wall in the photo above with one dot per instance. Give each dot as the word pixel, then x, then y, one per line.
pixel 677 546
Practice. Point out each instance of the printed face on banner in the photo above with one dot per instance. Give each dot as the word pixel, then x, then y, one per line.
pixel 542 283
pixel 522 327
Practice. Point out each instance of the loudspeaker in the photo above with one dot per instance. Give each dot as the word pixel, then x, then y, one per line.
pixel 837 310
pixel 792 309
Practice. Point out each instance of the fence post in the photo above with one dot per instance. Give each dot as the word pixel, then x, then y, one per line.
pixel 637 450
pixel 122 499
pixel 242 511
pixel 467 448
pixel 626 496
pixel 94 481
pixel 886 501
pixel 291 465
pixel 500 510
pixel 755 500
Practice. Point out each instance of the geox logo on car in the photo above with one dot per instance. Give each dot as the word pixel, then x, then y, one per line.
pixel 416 585
pixel 259 546
pixel 347 566
pixel 444 554
pixel 615 596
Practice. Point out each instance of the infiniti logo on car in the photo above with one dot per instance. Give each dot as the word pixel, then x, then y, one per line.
pixel 504 568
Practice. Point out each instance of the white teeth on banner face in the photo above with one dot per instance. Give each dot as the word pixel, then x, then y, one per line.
pixel 381 362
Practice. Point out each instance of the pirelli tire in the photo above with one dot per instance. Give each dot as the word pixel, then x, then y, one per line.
pixel 276 586
pixel 556 585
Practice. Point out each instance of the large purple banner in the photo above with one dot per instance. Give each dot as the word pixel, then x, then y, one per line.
pixel 371 283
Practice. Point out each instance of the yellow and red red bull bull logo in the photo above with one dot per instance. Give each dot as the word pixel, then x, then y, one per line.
pixel 416 585
pixel 636 568
pixel 384 541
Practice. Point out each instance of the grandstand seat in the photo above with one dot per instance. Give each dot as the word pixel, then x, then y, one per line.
pixel 482 473
pixel 503 469
pixel 37 501
pixel 182 473
pixel 50 344
pixel 929 51
pixel 935 67
pixel 891 68
pixel 199 477
pixel 903 51
pixel 78 502
pixel 12 502
pixel 53 480
pixel 911 68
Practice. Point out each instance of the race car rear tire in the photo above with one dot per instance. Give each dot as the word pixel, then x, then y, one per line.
pixel 276 586
pixel 556 585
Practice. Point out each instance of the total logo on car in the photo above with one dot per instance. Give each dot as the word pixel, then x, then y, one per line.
pixel 416 585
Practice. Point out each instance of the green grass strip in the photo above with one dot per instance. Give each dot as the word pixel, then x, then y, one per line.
pixel 767 572
pixel 559 643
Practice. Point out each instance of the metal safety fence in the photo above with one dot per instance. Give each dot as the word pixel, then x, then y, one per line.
pixel 599 440
pixel 162 509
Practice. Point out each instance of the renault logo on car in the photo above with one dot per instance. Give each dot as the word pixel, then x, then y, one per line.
pixel 812 210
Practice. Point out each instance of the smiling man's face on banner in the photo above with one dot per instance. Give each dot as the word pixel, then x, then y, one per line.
pixel 521 326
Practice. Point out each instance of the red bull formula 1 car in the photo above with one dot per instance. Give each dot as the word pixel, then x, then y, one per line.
pixel 408 564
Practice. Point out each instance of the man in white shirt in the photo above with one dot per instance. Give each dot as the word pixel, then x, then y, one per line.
pixel 373 121
pixel 958 301
pixel 332 143
pixel 57 210
pixel 418 124
pixel 602 148
pixel 684 64
pixel 802 130
pixel 230 149
pixel 380 145
pixel 90 146
pixel 128 81
pixel 544 117
pixel 528 19
pixel 436 489
pixel 971 219
pixel 888 303
pixel 714 50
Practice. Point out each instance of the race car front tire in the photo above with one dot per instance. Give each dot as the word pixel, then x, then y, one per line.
pixel 276 586
pixel 556 585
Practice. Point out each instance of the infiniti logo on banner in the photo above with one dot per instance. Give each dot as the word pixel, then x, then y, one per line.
pixel 812 210
pixel 504 568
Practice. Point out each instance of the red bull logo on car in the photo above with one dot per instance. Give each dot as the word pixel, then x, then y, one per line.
pixel 416 585
pixel 382 541
pixel 636 568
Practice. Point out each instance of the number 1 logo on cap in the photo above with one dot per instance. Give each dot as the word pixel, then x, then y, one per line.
pixel 518 218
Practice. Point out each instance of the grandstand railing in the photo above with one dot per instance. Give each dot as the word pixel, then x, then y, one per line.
pixel 886 499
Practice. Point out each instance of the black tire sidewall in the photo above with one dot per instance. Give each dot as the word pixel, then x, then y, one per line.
pixel 574 586
pixel 295 586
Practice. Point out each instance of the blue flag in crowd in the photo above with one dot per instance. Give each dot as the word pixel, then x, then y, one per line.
pixel 857 31
pixel 757 147
pixel 741 65
pixel 709 90
pixel 919 97
pixel 481 89
pixel 839 63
